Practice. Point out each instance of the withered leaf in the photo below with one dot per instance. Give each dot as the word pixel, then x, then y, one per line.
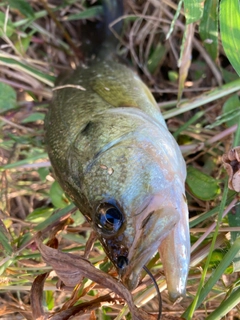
pixel 31 263
pixel 186 56
pixel 231 162
pixel 36 297
pixel 11 307
pixel 70 268
pixel 82 308
pixel 75 295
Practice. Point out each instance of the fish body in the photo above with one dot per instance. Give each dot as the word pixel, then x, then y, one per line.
pixel 113 155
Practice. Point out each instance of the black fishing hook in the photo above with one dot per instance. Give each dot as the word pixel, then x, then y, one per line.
pixel 157 289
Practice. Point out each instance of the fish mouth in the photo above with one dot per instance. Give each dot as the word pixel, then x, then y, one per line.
pixel 129 268
pixel 171 238
pixel 131 275
pixel 146 244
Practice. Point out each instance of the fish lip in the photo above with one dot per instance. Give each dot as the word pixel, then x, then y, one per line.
pixel 132 281
pixel 153 228
pixel 131 274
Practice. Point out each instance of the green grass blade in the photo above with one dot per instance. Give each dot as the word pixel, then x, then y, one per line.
pixel 86 14
pixel 237 135
pixel 8 98
pixel 204 99
pixel 40 14
pixel 202 292
pixel 234 221
pixel 209 27
pixel 193 10
pixel 156 58
pixel 23 6
pixel 210 213
pixel 177 13
pixel 230 30
pixel 225 306
pixel 5 241
pixel 23 162
pixel 4 266
pixel 227 260
pixel 197 116
pixel 12 63
pixel 54 217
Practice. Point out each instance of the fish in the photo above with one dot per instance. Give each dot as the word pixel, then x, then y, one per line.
pixel 113 155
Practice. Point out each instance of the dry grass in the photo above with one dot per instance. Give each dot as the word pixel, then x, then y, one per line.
pixel 50 45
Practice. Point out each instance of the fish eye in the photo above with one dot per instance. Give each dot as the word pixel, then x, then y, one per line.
pixel 109 218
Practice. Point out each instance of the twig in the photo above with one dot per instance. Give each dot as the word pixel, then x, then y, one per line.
pixel 18 126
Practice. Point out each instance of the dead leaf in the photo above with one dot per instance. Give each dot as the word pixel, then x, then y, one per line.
pixel 90 243
pixel 231 162
pixel 36 295
pixel 75 295
pixel 83 308
pixel 11 307
pixel 186 57
pixel 31 263
pixel 92 316
pixel 70 268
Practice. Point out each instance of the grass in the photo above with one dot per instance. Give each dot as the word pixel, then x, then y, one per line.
pixel 39 40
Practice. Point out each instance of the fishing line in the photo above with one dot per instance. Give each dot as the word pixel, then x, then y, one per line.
pixel 157 289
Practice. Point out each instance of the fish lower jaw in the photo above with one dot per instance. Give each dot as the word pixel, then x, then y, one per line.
pixel 131 275
pixel 132 281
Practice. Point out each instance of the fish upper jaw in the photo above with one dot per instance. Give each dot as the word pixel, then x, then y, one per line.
pixel 175 255
pixel 152 227
pixel 165 229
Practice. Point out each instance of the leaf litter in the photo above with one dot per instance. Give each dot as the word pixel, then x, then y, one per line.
pixel 25 188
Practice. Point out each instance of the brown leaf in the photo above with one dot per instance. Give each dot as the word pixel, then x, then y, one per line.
pixel 31 263
pixel 75 295
pixel 186 57
pixel 167 317
pixel 90 243
pixel 11 307
pixel 231 162
pixel 70 268
pixel 36 297
pixel 36 294
pixel 83 308
pixel 92 316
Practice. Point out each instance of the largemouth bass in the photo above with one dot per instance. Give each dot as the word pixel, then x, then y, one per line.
pixel 112 153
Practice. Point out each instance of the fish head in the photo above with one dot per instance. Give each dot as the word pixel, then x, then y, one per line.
pixel 132 204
